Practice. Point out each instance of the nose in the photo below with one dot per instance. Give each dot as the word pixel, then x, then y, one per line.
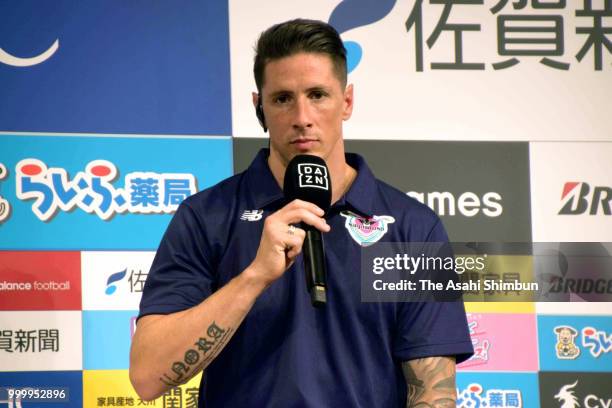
pixel 302 118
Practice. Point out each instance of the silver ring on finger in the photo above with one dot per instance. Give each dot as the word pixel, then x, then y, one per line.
pixel 291 230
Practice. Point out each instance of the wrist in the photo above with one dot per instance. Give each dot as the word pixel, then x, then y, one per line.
pixel 253 280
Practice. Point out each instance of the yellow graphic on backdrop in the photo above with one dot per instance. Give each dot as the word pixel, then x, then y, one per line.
pixel 112 388
pixel 502 268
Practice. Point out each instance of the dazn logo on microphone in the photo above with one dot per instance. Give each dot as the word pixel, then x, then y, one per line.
pixel 313 175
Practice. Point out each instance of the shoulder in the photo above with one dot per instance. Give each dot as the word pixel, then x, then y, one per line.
pixel 209 210
pixel 202 222
pixel 217 197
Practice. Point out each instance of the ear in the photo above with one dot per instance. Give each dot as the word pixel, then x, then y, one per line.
pixel 348 102
pixel 255 97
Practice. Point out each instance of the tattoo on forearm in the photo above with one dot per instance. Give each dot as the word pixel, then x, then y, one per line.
pixel 195 359
pixel 445 383
pixel 430 382
pixel 415 386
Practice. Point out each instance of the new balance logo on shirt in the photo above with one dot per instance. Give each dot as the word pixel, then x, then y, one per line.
pixel 251 215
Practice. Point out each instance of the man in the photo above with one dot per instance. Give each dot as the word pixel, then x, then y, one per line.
pixel 227 294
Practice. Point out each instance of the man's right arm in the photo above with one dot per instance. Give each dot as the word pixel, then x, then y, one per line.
pixel 167 350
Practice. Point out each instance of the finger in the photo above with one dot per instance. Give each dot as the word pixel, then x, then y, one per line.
pixel 288 261
pixel 295 247
pixel 293 241
pixel 297 203
pixel 302 215
pixel 296 231
pixel 292 254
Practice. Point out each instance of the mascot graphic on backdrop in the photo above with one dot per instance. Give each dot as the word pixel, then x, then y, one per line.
pixel 566 348
pixel 367 231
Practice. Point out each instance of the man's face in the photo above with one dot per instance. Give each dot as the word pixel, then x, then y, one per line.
pixel 304 104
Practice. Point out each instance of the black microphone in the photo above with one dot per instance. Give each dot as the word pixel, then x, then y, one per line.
pixel 307 178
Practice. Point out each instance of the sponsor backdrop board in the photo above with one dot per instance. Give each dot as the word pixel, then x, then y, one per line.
pixel 472 70
pixel 493 113
pixel 106 338
pixel 114 280
pixel 493 335
pixel 500 307
pixel 571 190
pixel 39 280
pixel 497 390
pixel 112 387
pixel 41 340
pixel 575 389
pixel 575 343
pixel 103 67
pixel 590 308
pixel 77 192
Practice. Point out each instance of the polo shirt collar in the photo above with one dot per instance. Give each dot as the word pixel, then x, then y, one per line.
pixel 360 196
pixel 261 182
pixel 265 190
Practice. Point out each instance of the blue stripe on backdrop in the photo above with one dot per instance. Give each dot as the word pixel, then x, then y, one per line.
pixel 107 339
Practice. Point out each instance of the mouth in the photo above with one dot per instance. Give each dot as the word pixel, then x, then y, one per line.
pixel 304 143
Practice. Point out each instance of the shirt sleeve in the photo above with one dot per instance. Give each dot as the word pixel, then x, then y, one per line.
pixel 428 329
pixel 181 275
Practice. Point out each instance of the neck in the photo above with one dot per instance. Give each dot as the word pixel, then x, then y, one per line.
pixel 342 175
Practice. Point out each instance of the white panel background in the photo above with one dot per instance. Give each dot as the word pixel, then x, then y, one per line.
pixel 392 101
pixel 96 267
pixel 70 354
pixel 554 164
pixel 581 309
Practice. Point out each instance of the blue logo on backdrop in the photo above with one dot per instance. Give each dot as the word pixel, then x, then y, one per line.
pixel 95 193
pixel 104 67
pixel 115 277
pixel 93 190
pixel 351 14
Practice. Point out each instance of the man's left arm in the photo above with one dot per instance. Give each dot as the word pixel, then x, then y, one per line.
pixel 430 382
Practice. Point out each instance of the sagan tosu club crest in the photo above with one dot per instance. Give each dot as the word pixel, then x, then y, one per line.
pixel 366 231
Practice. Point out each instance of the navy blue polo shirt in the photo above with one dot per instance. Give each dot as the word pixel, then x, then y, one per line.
pixel 287 353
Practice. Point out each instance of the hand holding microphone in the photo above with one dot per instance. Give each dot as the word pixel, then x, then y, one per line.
pixel 308 186
pixel 307 178
pixel 281 242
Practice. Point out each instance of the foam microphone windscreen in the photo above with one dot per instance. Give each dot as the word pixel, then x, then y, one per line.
pixel 307 178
